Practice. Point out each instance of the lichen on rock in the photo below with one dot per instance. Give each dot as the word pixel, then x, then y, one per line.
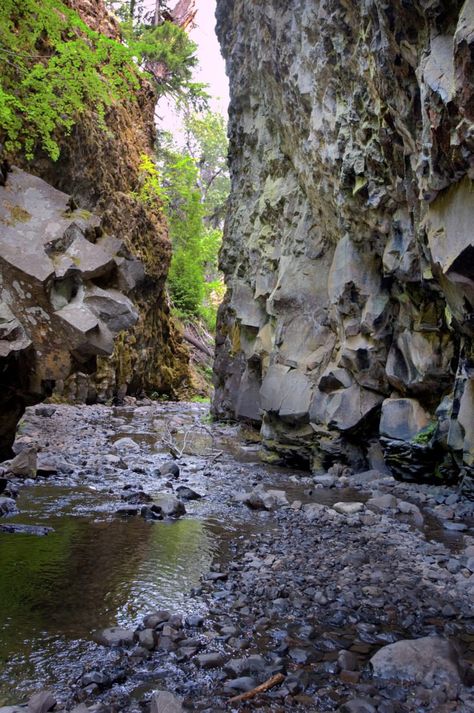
pixel 348 245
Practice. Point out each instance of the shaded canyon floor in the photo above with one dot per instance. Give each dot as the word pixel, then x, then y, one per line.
pixel 249 571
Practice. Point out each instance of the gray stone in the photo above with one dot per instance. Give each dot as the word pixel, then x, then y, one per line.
pixel 41 702
pixel 382 502
pixel 402 419
pixel 211 660
pixel 171 506
pixel 115 636
pixel 165 702
pixel 348 508
pixel 431 660
pixel 148 639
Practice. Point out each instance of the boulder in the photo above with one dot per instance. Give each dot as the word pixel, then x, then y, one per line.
pixel 52 315
pixel 115 636
pixel 402 419
pixel 431 661
pixel 41 702
pixel 171 506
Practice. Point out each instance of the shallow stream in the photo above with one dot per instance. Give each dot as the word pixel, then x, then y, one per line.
pixel 97 568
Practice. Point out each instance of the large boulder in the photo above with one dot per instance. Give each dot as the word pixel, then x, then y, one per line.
pixel 432 661
pixel 53 316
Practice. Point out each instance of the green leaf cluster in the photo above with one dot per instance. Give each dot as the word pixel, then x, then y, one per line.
pixel 53 68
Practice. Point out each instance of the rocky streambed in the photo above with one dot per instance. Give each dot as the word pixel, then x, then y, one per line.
pixel 154 563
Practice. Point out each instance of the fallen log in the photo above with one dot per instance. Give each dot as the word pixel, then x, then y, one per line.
pixel 263 688
pixel 196 343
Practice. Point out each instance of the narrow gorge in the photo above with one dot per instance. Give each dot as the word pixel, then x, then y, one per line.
pixel 298 537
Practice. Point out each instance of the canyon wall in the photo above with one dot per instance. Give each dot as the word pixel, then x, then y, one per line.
pixel 83 260
pixel 347 329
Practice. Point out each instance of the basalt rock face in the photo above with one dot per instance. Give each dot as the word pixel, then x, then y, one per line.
pixel 83 260
pixel 348 326
pixel 60 298
pixel 101 170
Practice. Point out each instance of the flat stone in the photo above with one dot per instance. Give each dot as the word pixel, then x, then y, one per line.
pixel 115 636
pixel 41 702
pixel 165 702
pixel 212 660
pixel 348 508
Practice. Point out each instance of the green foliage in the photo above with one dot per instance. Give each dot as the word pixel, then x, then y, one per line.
pixel 42 95
pixel 194 282
pixel 151 191
pixel 424 437
pixel 53 68
pixel 206 140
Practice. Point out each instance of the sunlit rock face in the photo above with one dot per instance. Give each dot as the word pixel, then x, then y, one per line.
pixel 349 243
pixel 60 299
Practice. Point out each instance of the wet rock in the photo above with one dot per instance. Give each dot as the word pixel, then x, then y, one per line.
pixel 115 636
pixel 12 709
pixel 171 506
pixel 187 493
pixel 98 678
pixel 156 618
pixel 151 512
pixel 24 465
pixel 211 660
pixel 194 620
pixel 148 639
pixel 348 508
pixel 431 660
pixel 7 506
pixel 241 684
pixel 14 528
pixel 165 702
pixel 169 469
pixel 41 702
pixel 379 503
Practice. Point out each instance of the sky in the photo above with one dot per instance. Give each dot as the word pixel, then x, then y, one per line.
pixel 211 68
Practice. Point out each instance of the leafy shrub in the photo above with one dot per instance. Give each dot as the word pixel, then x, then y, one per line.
pixel 53 67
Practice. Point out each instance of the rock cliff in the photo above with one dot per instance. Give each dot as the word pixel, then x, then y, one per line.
pixel 348 325
pixel 70 243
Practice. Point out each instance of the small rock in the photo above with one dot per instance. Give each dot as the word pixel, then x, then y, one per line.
pixel 454 526
pixel 212 660
pixel 41 702
pixel 156 618
pixel 115 636
pixel 194 620
pixel 169 468
pixel 187 493
pixel 24 465
pixel 243 683
pixel 7 505
pixel 349 508
pixel 382 502
pixel 95 677
pixel 171 506
pixel 148 639
pixel 165 702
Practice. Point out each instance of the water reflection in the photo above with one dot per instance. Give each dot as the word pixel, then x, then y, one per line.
pixel 55 590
